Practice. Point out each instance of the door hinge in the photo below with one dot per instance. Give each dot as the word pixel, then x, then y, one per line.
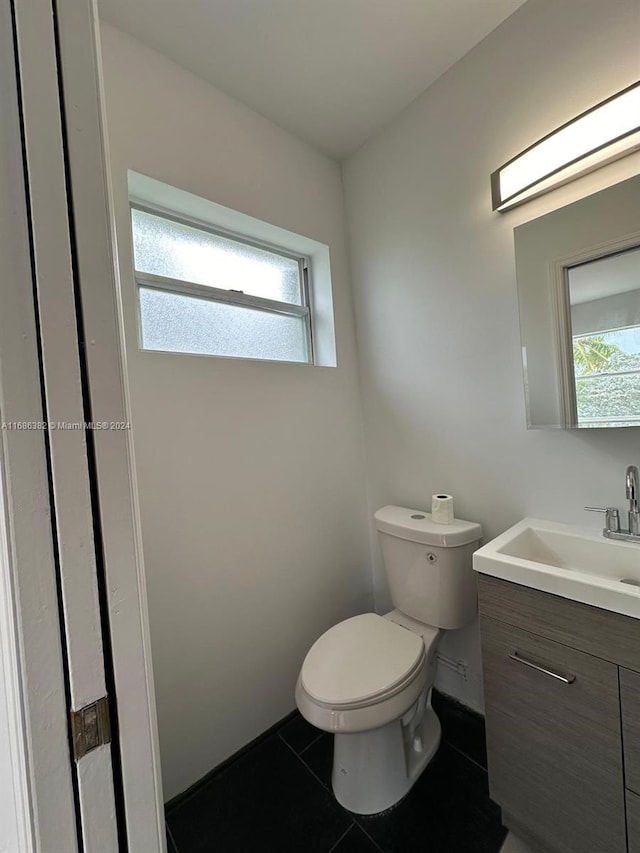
pixel 90 727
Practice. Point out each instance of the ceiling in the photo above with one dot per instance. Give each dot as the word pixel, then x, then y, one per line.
pixel 333 72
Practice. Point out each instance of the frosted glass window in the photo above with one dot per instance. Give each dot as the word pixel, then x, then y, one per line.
pixel 177 250
pixel 177 323
pixel 202 292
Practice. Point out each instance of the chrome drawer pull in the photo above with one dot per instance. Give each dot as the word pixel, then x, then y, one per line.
pixel 566 679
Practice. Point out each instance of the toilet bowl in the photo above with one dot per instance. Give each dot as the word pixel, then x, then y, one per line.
pixel 368 679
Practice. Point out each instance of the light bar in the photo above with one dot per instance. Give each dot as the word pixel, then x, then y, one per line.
pixel 604 133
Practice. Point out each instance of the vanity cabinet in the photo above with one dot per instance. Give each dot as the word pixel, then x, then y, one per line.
pixel 562 704
pixel 633 821
pixel 630 703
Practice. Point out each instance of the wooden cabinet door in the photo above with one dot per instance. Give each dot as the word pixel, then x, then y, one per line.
pixel 633 821
pixel 630 701
pixel 554 742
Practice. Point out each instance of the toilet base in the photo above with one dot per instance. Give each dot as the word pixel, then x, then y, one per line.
pixel 374 770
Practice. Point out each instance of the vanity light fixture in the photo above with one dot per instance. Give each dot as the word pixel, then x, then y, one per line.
pixel 600 135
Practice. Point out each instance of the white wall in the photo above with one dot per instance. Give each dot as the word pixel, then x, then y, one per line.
pixel 434 281
pixel 251 473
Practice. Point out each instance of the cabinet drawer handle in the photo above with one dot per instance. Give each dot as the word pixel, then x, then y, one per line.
pixel 566 679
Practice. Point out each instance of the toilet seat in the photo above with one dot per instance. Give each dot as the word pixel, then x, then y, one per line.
pixel 360 661
pixel 365 672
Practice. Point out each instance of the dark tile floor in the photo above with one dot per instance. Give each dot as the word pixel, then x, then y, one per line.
pixel 276 798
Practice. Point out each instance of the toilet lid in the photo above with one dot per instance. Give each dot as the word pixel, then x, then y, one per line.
pixel 359 659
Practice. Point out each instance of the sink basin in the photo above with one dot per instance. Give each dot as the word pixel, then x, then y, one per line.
pixel 567 561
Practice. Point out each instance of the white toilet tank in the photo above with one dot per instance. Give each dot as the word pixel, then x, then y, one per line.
pixel 428 565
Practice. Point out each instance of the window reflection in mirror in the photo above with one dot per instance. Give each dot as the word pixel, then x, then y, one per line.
pixel 604 298
pixel 578 284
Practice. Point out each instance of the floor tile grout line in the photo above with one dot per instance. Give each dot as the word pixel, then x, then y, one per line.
pixel 315 740
pixel 344 834
pixel 317 778
pixel 171 838
pixel 289 747
pixel 372 840
pixel 309 745
pixel 452 742
pixel 468 757
pixel 305 765
pixel 328 789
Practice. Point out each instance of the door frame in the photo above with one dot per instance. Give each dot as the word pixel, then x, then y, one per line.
pixel 56 48
pixel 41 812
pixel 114 453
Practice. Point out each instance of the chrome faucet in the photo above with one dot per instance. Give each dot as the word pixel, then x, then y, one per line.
pixel 612 528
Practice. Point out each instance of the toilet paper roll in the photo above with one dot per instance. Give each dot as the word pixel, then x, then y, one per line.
pixel 442 509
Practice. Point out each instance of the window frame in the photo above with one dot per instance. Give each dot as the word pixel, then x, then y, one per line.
pixel 209 293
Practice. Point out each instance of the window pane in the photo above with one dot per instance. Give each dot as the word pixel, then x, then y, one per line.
pixel 603 398
pixel 164 247
pixel 175 323
pixel 607 374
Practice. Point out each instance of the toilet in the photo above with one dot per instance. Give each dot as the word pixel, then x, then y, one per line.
pixel 368 680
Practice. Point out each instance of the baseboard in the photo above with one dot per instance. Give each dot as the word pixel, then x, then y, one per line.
pixel 449 697
pixel 462 727
pixel 174 802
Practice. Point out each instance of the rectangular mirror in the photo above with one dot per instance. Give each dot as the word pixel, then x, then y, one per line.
pixel 578 274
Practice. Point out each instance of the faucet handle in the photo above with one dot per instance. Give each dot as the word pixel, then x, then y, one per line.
pixel 611 516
